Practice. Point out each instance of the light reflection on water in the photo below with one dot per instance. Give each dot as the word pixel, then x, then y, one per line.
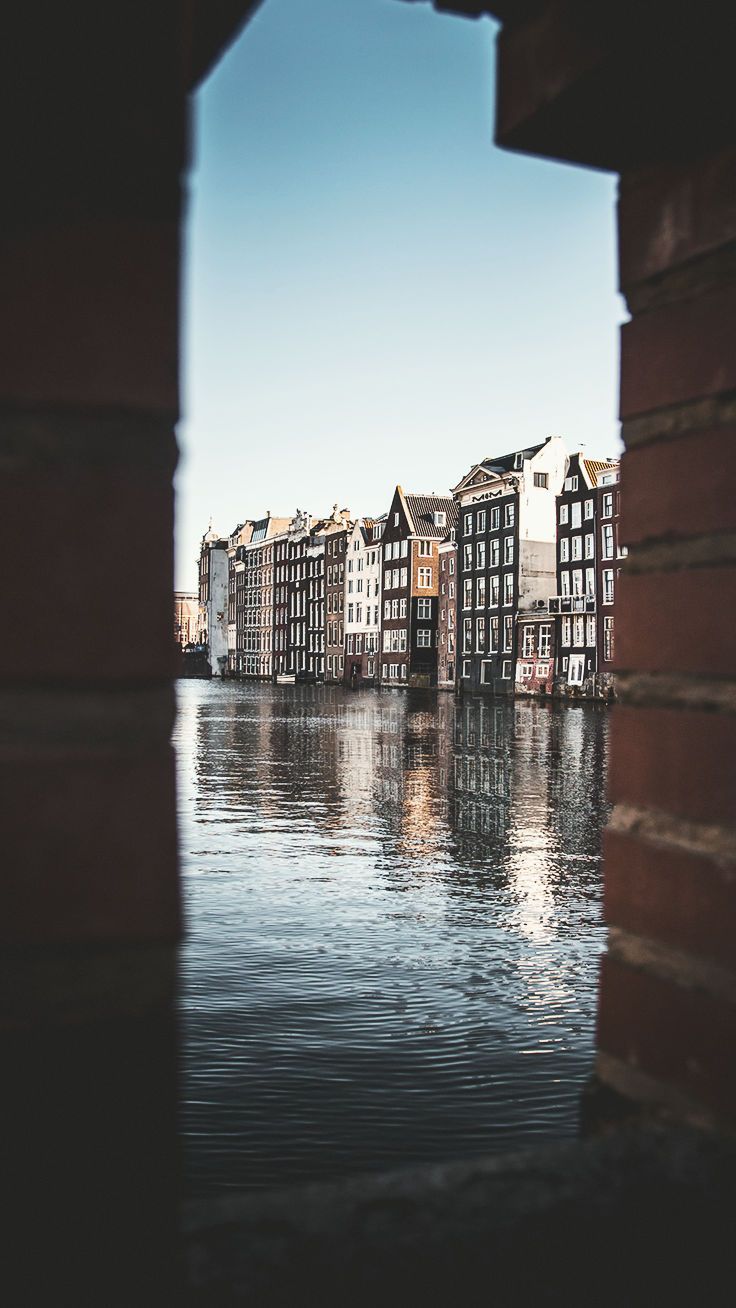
pixel 394 921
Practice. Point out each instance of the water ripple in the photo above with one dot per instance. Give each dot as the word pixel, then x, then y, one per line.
pixel 394 924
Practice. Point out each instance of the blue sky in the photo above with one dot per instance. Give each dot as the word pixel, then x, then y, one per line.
pixel 374 293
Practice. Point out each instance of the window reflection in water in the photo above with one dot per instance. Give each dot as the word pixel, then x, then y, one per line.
pixel 393 900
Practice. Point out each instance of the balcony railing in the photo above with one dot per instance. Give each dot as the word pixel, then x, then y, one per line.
pixel 572 604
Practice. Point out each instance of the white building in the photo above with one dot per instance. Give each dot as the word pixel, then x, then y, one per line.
pixel 362 604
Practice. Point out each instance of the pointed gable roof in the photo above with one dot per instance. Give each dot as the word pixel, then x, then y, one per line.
pixel 421 510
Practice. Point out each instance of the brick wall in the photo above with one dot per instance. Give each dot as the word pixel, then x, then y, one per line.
pixel 651 99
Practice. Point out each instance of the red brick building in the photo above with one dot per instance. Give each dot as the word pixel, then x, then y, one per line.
pixel 415 526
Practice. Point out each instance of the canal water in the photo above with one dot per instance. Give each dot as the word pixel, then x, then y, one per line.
pixel 394 921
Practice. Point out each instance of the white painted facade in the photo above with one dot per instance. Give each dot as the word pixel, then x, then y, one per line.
pixel 362 599
pixel 216 611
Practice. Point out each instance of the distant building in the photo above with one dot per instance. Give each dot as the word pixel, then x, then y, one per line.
pixel 506 557
pixel 362 602
pixel 256 599
pixel 239 537
pixel 306 591
pixel 335 550
pixel 446 615
pixel 213 600
pixel 588 564
pixel 186 618
pixel 415 525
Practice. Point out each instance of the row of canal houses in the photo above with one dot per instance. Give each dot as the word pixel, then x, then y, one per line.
pixel 506 585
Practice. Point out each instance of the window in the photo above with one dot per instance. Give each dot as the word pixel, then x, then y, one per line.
pixel 481 526
pixel 508 549
pixel 577 581
pixel 466 668
pixel 607 539
pixel 424 609
pixel 424 637
pixel 607 505
pixel 467 558
pixel 608 639
pixel 575 514
pixel 480 635
pixel 508 632
pixel 577 546
pixel 506 669
pixel 451 591
pixel 387 608
pixel 404 549
pixel 590 629
pixel 590 583
pixel 577 670
pixel 394 608
pixel 608 586
pixel 403 672
pixel 525 671
pixel 571 483
pixel 564 583
pixel 402 608
pixel 467 634
pixel 494 592
pixel 494 636
pixel 387 579
pixel 590 545
pixel 396 519
pixel 545 641
pixel 439 519
pixel 508 588
pixel 564 549
pixel 578 631
pixel 350 644
pixel 480 561
pixel 518 461
pixel 452 566
pixel 468 524
pixel 495 553
pixel 541 479
pixel 527 643
pixel 563 513
pixel 424 548
pixel 424 578
pixel 589 508
pixel 566 631
pixel 495 519
pixel 480 592
pixel 509 516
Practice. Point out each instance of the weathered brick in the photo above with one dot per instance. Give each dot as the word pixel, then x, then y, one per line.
pixel 679 621
pixel 81 541
pixel 91 315
pixel 679 352
pixel 676 488
pixel 675 760
pixel 681 1035
pixel 670 895
pixel 674 213
pixel 89 847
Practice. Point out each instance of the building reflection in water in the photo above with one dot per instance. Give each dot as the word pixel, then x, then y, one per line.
pixel 394 913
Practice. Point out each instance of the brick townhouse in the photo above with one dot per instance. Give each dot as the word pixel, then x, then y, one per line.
pixel 415 526
pixel 589 558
